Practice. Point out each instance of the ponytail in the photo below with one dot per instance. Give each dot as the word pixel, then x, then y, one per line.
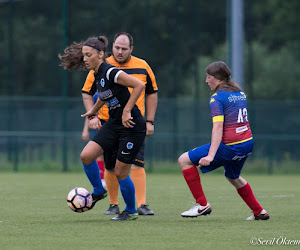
pixel 72 58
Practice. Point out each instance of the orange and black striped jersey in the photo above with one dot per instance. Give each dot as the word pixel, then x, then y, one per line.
pixel 135 67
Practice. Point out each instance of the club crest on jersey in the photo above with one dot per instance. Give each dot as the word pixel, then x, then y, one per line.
pixel 129 145
pixel 102 82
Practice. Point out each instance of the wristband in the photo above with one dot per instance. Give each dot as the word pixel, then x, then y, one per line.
pixel 151 122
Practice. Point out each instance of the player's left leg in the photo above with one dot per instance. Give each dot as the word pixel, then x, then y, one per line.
pixel 112 186
pixel 130 142
pixel 112 183
pixel 245 191
pixel 138 176
pixel 232 172
pixel 127 191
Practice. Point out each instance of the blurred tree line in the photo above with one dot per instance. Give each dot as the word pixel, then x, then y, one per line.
pixel 178 38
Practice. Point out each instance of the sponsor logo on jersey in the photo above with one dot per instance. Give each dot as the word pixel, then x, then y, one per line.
pixel 113 103
pixel 241 129
pixel 234 98
pixel 105 94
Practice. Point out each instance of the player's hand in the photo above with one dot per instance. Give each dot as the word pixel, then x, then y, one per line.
pixel 94 123
pixel 150 129
pixel 205 161
pixel 127 120
pixel 89 114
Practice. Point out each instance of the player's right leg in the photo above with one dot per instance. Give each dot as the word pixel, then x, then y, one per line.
pixel 88 157
pixel 192 178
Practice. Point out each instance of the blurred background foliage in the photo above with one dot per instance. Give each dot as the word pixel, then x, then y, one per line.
pixel 178 38
pixel 40 103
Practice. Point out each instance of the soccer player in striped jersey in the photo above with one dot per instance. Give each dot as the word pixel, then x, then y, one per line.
pixel 231 144
pixel 125 129
pixel 123 59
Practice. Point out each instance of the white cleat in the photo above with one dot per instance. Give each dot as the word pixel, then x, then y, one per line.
pixel 263 215
pixel 197 210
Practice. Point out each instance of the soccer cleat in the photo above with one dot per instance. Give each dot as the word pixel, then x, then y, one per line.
pixel 144 210
pixel 263 215
pixel 125 215
pixel 98 197
pixel 113 209
pixel 197 210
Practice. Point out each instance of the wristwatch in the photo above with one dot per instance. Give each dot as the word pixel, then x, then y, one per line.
pixel 152 122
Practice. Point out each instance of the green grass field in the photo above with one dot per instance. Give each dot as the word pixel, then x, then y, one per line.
pixel 34 214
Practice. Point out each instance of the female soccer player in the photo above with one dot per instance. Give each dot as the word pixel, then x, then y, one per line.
pixel 231 144
pixel 126 127
pixel 123 59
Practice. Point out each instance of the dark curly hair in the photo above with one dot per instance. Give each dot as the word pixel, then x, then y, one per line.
pixel 72 58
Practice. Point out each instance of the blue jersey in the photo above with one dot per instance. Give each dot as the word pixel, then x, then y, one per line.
pixel 231 108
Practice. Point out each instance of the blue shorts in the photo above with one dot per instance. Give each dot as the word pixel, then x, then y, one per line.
pixel 232 157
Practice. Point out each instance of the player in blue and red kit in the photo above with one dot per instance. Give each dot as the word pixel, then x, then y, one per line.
pixel 231 144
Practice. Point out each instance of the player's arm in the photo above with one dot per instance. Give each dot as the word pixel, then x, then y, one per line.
pixel 88 90
pixel 151 99
pixel 85 130
pixel 151 105
pixel 138 87
pixel 88 101
pixel 94 110
pixel 216 138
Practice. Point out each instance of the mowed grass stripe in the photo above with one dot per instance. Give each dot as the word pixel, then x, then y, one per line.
pixel 34 214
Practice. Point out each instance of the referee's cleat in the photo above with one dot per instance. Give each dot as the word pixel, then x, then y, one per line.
pixel 197 210
pixel 98 197
pixel 113 209
pixel 144 210
pixel 263 215
pixel 125 215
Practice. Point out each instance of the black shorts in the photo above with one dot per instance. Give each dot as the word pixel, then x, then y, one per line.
pixel 119 142
pixel 110 158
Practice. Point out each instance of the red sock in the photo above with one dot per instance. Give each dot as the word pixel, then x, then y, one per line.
pixel 192 178
pixel 101 168
pixel 247 195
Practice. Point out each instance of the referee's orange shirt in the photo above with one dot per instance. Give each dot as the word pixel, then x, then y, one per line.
pixel 135 67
